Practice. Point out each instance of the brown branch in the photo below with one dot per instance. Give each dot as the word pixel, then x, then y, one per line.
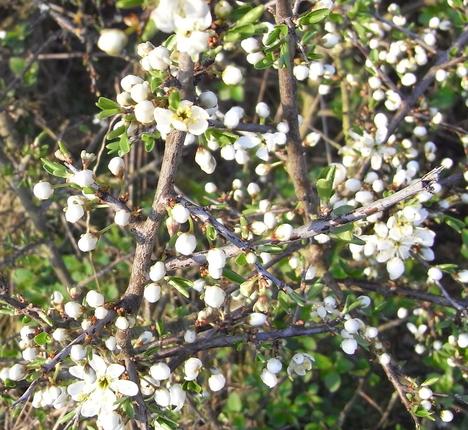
pixel 180 353
pixel 393 374
pixel 296 163
pixel 147 234
pixel 25 309
pixel 316 227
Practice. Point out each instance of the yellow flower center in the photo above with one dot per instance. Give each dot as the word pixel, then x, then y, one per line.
pixel 102 382
pixel 183 113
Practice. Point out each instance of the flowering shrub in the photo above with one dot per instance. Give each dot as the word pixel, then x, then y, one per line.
pixel 259 224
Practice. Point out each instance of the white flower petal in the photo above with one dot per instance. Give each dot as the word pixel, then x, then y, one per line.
pixel 77 388
pixel 198 126
pixel 98 364
pixel 90 408
pixel 125 387
pixel 114 371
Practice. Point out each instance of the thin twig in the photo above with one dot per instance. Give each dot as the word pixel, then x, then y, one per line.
pixel 316 227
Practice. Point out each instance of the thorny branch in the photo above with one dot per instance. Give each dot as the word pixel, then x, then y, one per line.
pixel 316 227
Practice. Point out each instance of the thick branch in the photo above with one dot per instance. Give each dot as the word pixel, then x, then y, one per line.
pixel 296 162
pixel 172 154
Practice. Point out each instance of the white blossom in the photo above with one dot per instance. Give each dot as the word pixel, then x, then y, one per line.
pixel 43 190
pixel 112 41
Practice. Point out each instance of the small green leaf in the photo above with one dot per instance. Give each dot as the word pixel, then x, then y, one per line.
pixel 181 285
pixel 42 338
pixel 174 99
pixel 104 104
pixel 107 113
pixel 17 65
pixel 325 183
pixel 430 381
pixel 241 260
pixel 115 133
pixel 342 210
pixel 211 233
pixel 234 402
pixel 124 145
pixel 296 298
pixel 332 381
pixel 233 276
pixel 128 4
pixel 313 17
pixel 253 15
pixel 54 168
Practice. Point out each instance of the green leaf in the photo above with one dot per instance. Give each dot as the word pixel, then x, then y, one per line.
pixel 285 55
pixel 211 233
pixel 241 260
pixel 313 17
pixel 234 402
pixel 325 183
pixel 237 33
pixel 115 133
pixel 264 63
pixel 17 65
pixel 181 285
pixel 42 338
pixel 454 223
pixel 420 412
pixel 128 408
pixel 277 34
pixel 192 386
pixel 253 15
pixel 104 103
pixel 54 168
pixel 272 249
pixel 124 145
pixel 107 113
pixel 67 417
pixel 128 4
pixel 296 298
pixel 174 99
pixel 332 381
pixel 342 210
pixel 233 276
pixel 430 381
pixel 149 140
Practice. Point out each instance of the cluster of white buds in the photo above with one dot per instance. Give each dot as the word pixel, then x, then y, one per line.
pixel 269 375
pixel 351 328
pixel 154 58
pixel 51 396
pixel 253 49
